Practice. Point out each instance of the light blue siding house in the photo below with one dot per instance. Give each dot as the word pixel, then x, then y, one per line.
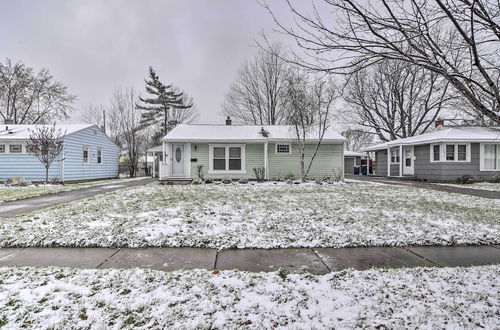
pixel 88 154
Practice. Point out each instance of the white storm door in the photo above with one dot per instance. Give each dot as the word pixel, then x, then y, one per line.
pixel 408 165
pixel 178 160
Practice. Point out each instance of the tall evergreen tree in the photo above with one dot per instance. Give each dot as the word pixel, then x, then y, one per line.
pixel 165 104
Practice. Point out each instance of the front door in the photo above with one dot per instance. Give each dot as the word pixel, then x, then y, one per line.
pixel 408 165
pixel 178 160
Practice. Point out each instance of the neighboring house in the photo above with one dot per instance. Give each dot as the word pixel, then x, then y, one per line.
pixel 88 153
pixel 234 151
pixel 352 159
pixel 444 154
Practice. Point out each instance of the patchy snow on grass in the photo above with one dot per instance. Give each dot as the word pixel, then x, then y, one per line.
pixel 428 298
pixel 491 186
pixel 261 216
pixel 10 193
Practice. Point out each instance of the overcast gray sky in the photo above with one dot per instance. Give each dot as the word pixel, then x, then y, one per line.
pixel 96 46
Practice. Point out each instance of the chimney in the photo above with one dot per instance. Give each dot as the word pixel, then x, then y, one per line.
pixel 439 122
pixel 228 121
pixel 7 121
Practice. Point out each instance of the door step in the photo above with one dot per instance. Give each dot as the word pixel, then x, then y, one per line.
pixel 172 181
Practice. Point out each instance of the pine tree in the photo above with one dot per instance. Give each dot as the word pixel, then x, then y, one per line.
pixel 166 104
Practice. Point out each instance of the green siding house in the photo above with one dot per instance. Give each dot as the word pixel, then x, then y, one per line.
pixel 233 151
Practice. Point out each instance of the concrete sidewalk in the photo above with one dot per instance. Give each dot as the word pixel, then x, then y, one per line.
pixel 419 184
pixel 17 207
pixel 317 261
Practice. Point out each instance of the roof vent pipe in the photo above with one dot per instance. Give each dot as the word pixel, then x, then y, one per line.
pixel 228 121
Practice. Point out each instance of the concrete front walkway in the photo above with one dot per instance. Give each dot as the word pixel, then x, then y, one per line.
pixel 13 208
pixel 419 184
pixel 317 261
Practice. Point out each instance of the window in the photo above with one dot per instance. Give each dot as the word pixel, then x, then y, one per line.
pixel 462 152
pixel 219 159
pixel 227 158
pixel 436 152
pixel 394 156
pixel 15 148
pixel 283 149
pixel 2 148
pixel 450 152
pixel 85 155
pixel 235 159
pixel 99 156
pixel 490 157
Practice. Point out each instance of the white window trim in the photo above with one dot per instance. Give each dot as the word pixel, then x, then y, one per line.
pixel 226 146
pixel 97 156
pixel 4 148
pixel 283 153
pixel 481 157
pixel 16 144
pixel 88 155
pixel 395 157
pixel 442 152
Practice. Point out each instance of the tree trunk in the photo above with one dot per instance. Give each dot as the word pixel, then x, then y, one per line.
pixel 46 175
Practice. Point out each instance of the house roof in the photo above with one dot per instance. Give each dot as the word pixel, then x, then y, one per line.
pixel 240 133
pixel 22 132
pixel 446 134
pixel 348 153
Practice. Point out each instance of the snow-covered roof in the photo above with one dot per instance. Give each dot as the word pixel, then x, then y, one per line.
pixel 241 133
pixel 446 134
pixel 348 153
pixel 22 132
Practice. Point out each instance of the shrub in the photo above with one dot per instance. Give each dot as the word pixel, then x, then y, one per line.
pixel 209 180
pixel 260 173
pixel 54 180
pixel 337 175
pixel 277 179
pixel 18 181
pixel 227 181
pixel 465 179
pixel 199 172
pixel 496 179
pixel 318 181
pixel 197 181
pixel 289 181
pixel 289 176
pixel 243 181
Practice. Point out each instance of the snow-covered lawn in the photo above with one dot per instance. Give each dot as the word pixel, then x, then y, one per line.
pixel 261 216
pixel 427 298
pixel 478 185
pixel 10 193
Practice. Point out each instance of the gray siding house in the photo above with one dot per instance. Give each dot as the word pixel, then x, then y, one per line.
pixel 444 154
pixel 352 159
pixel 88 153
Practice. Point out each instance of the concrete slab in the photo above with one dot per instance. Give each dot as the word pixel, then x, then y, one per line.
pixel 293 260
pixel 459 255
pixel 364 258
pixel 5 252
pixel 163 258
pixel 63 257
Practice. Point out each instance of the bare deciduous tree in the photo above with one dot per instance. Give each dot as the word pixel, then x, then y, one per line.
pixel 27 97
pixel 125 122
pixel 396 100
pixel 309 109
pixel 357 139
pixel 45 143
pixel 93 114
pixel 456 39
pixel 258 95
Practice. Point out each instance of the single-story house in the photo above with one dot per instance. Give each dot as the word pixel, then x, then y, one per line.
pixel 352 159
pixel 233 151
pixel 444 154
pixel 88 153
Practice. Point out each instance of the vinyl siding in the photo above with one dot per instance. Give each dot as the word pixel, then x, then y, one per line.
pixel 381 162
pixel 448 171
pixel 93 138
pixel 26 166
pixel 329 157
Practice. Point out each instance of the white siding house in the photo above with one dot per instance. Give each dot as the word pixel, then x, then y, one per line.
pixel 88 154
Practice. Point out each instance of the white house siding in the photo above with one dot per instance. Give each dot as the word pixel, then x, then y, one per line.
pixel 93 138
pixel 448 171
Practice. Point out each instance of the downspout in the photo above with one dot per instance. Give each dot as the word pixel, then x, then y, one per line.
pixel 388 161
pixel 266 160
pixel 401 160
pixel 62 164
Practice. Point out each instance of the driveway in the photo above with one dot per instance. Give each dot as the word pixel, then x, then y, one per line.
pixel 419 184
pixel 17 207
